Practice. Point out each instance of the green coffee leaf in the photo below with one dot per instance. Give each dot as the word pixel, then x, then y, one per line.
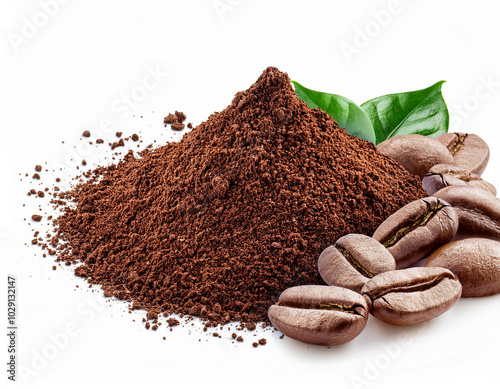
pixel 346 112
pixel 421 112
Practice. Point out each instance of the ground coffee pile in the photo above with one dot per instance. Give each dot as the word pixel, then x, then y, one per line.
pixel 218 224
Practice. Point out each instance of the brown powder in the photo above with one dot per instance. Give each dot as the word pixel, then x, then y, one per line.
pixel 218 224
pixel 173 322
pixel 177 126
pixel 170 119
pixel 180 116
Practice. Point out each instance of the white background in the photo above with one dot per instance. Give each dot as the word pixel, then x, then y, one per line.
pixel 70 72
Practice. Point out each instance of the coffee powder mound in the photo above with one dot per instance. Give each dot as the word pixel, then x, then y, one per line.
pixel 220 223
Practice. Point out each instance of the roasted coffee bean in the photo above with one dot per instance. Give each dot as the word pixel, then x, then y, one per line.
pixel 417 153
pixel 475 262
pixel 469 151
pixel 416 230
pixel 411 296
pixel 478 211
pixel 353 260
pixel 315 314
pixel 441 176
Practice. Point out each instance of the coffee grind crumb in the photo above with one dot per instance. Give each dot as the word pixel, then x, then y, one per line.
pixel 239 339
pixel 180 116
pixel 152 315
pixel 86 134
pixel 99 141
pixel 195 221
pixel 177 126
pixel 38 168
pixel 119 134
pixel 262 342
pixel 135 137
pixel 36 218
pixel 173 322
pixel 170 119
pixel 255 344
pixel 120 143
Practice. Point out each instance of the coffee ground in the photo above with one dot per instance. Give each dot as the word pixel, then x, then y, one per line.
pixel 220 223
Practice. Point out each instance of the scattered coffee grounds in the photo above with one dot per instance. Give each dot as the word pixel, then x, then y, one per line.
pixel 190 125
pixel 36 218
pixel 36 176
pixel 99 141
pixel 262 342
pixel 86 134
pixel 173 322
pixel 152 315
pixel 170 119
pixel 220 223
pixel 180 116
pixel 135 137
pixel 255 344
pixel 177 126
pixel 119 134
pixel 38 168
pixel 120 143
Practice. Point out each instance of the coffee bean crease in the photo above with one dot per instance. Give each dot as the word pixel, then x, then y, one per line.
pixel 418 286
pixel 354 309
pixel 456 146
pixel 355 264
pixel 422 220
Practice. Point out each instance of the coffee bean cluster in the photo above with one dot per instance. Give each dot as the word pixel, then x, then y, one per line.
pixel 457 227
